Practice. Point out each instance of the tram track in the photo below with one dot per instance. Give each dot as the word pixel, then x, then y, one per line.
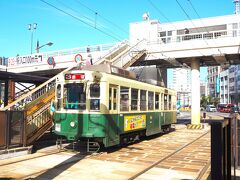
pixel 34 175
pixel 31 158
pixel 202 172
pixel 128 162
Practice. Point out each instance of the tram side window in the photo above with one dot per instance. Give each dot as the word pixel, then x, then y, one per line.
pixel 74 96
pixel 124 99
pixel 110 99
pixel 165 102
pixel 162 101
pixel 169 102
pixel 143 98
pixel 95 97
pixel 150 100
pixel 58 97
pixel 114 99
pixel 134 99
pixel 156 101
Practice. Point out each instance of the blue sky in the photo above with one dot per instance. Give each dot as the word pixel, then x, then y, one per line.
pixel 68 32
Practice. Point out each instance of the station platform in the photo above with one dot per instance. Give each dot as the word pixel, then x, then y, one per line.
pixel 180 154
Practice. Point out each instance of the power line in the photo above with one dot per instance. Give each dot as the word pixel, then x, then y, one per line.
pixel 158 10
pixel 201 21
pixel 183 10
pixel 95 21
pixel 161 13
pixel 80 20
pixel 97 14
pixel 189 19
pixel 74 10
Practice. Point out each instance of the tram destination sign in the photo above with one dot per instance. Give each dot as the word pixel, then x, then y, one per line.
pixel 24 60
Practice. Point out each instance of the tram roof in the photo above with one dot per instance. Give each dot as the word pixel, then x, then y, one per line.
pixel 110 69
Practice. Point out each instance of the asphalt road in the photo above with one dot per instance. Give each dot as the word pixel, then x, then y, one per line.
pixel 185 116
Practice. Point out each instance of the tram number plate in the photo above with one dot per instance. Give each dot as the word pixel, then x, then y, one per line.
pixel 58 127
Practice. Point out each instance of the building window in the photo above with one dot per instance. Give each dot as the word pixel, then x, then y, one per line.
pixel 234 33
pixel 231 70
pixel 235 25
pixel 163 40
pixel 168 40
pixel 208 36
pixel 169 33
pixel 231 80
pixel 163 34
pixel 219 34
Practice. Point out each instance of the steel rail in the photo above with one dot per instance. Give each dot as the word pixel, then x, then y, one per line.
pixel 166 157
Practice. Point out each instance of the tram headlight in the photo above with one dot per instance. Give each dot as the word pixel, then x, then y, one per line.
pixel 73 124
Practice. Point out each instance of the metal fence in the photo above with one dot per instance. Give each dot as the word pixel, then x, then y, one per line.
pixel 225 147
pixel 11 129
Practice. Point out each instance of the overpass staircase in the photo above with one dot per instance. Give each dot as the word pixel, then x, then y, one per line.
pixel 36 103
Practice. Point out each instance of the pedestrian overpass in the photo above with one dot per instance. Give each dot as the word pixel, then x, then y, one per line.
pixel 194 50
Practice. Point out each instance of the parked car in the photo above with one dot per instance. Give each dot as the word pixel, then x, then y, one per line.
pixel 221 107
pixel 227 108
pixel 235 109
pixel 211 108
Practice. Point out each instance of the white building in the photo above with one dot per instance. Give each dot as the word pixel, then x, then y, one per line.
pixel 181 82
pixel 224 88
pixel 230 85
pixel 198 33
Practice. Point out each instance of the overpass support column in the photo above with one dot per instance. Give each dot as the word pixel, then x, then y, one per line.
pixel 195 108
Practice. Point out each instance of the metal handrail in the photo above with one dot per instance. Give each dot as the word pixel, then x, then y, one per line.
pixel 111 51
pixel 100 47
pixel 139 47
pixel 197 36
pixel 36 92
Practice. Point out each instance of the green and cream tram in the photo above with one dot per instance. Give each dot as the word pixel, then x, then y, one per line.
pixel 106 105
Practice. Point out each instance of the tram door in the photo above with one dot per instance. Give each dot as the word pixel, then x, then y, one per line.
pixel 113 120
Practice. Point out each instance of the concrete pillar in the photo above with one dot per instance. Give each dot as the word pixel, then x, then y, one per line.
pixel 195 112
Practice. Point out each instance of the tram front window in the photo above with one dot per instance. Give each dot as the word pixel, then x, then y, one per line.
pixel 74 96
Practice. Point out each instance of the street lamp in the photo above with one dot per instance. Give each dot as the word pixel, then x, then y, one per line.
pixel 39 47
pixel 32 27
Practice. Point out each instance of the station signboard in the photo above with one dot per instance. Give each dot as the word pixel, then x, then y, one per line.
pixel 24 60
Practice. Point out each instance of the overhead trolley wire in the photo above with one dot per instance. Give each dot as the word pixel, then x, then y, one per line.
pixel 168 20
pixel 160 12
pixel 93 22
pixel 99 15
pixel 194 9
pixel 193 23
pixel 77 18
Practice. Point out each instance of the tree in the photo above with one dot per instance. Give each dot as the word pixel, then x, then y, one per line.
pixel 205 100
